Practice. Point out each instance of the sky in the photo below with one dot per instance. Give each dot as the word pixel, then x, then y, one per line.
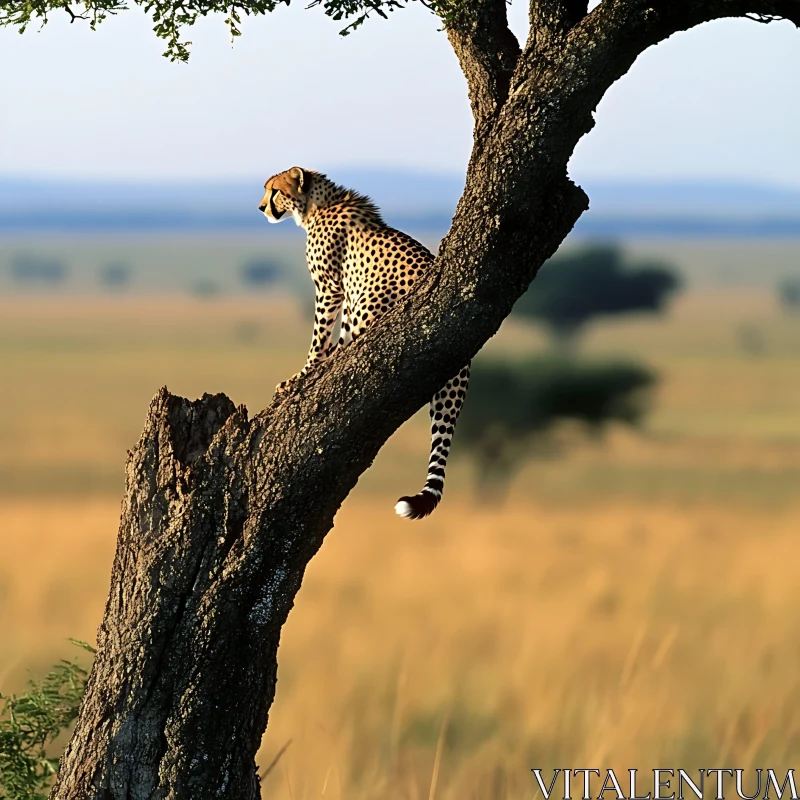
pixel 720 102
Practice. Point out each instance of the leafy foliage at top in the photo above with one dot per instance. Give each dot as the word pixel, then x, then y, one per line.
pixel 573 289
pixel 171 17
pixel 28 725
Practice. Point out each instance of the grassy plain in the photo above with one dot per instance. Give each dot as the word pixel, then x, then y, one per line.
pixel 633 604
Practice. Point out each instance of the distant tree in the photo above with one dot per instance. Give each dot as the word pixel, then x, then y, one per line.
pixel 115 275
pixel 37 269
pixel 260 273
pixel 513 408
pixel 205 289
pixel 789 294
pixel 574 288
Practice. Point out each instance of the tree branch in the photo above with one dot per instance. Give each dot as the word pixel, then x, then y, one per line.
pixel 73 16
pixel 487 51
pixel 564 83
pixel 616 31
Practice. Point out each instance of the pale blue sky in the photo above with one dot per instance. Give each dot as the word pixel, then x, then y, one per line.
pixel 721 101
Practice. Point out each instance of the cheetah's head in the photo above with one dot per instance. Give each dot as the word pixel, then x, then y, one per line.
pixel 286 195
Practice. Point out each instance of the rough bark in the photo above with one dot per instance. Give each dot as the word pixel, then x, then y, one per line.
pixel 222 513
pixel 552 20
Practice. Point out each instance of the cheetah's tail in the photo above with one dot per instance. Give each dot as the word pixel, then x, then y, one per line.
pixel 444 410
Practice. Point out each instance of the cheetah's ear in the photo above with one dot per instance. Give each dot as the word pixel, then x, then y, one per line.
pixel 302 177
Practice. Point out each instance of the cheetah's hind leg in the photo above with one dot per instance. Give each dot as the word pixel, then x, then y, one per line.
pixel 444 409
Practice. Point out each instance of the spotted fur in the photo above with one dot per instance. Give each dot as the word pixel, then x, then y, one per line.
pixel 361 267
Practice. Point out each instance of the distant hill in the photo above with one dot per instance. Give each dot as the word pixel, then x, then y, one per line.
pixel 413 200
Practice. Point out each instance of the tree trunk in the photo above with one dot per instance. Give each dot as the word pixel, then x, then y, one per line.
pixel 222 513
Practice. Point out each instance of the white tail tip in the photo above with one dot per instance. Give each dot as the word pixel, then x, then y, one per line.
pixel 403 509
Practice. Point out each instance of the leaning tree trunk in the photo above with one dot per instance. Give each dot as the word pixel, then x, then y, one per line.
pixel 222 513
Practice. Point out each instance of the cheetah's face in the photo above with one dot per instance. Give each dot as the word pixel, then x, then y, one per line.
pixel 286 195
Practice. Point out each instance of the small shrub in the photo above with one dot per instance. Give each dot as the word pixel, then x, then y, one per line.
pixel 30 722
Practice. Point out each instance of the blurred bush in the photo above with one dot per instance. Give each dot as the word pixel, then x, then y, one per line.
pixel 512 408
pixel 574 288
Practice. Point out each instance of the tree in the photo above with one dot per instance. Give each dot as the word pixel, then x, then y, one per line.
pixel 115 275
pixel 513 406
pixel 33 269
pixel 789 294
pixel 577 287
pixel 222 512
pixel 260 273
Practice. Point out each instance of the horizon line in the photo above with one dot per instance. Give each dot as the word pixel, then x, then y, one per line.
pixel 388 170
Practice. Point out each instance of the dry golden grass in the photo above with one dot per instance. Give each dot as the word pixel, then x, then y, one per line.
pixel 632 606
pixel 625 635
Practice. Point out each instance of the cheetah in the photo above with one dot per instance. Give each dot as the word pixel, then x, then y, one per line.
pixel 361 267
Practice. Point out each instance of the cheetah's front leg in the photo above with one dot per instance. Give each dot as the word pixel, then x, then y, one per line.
pixel 346 334
pixel 327 305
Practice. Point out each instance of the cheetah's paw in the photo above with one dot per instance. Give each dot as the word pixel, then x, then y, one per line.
pixel 284 386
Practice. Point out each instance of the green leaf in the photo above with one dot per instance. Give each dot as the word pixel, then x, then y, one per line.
pixel 83 645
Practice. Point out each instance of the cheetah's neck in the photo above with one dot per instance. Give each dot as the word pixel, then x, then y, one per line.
pixel 325 194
